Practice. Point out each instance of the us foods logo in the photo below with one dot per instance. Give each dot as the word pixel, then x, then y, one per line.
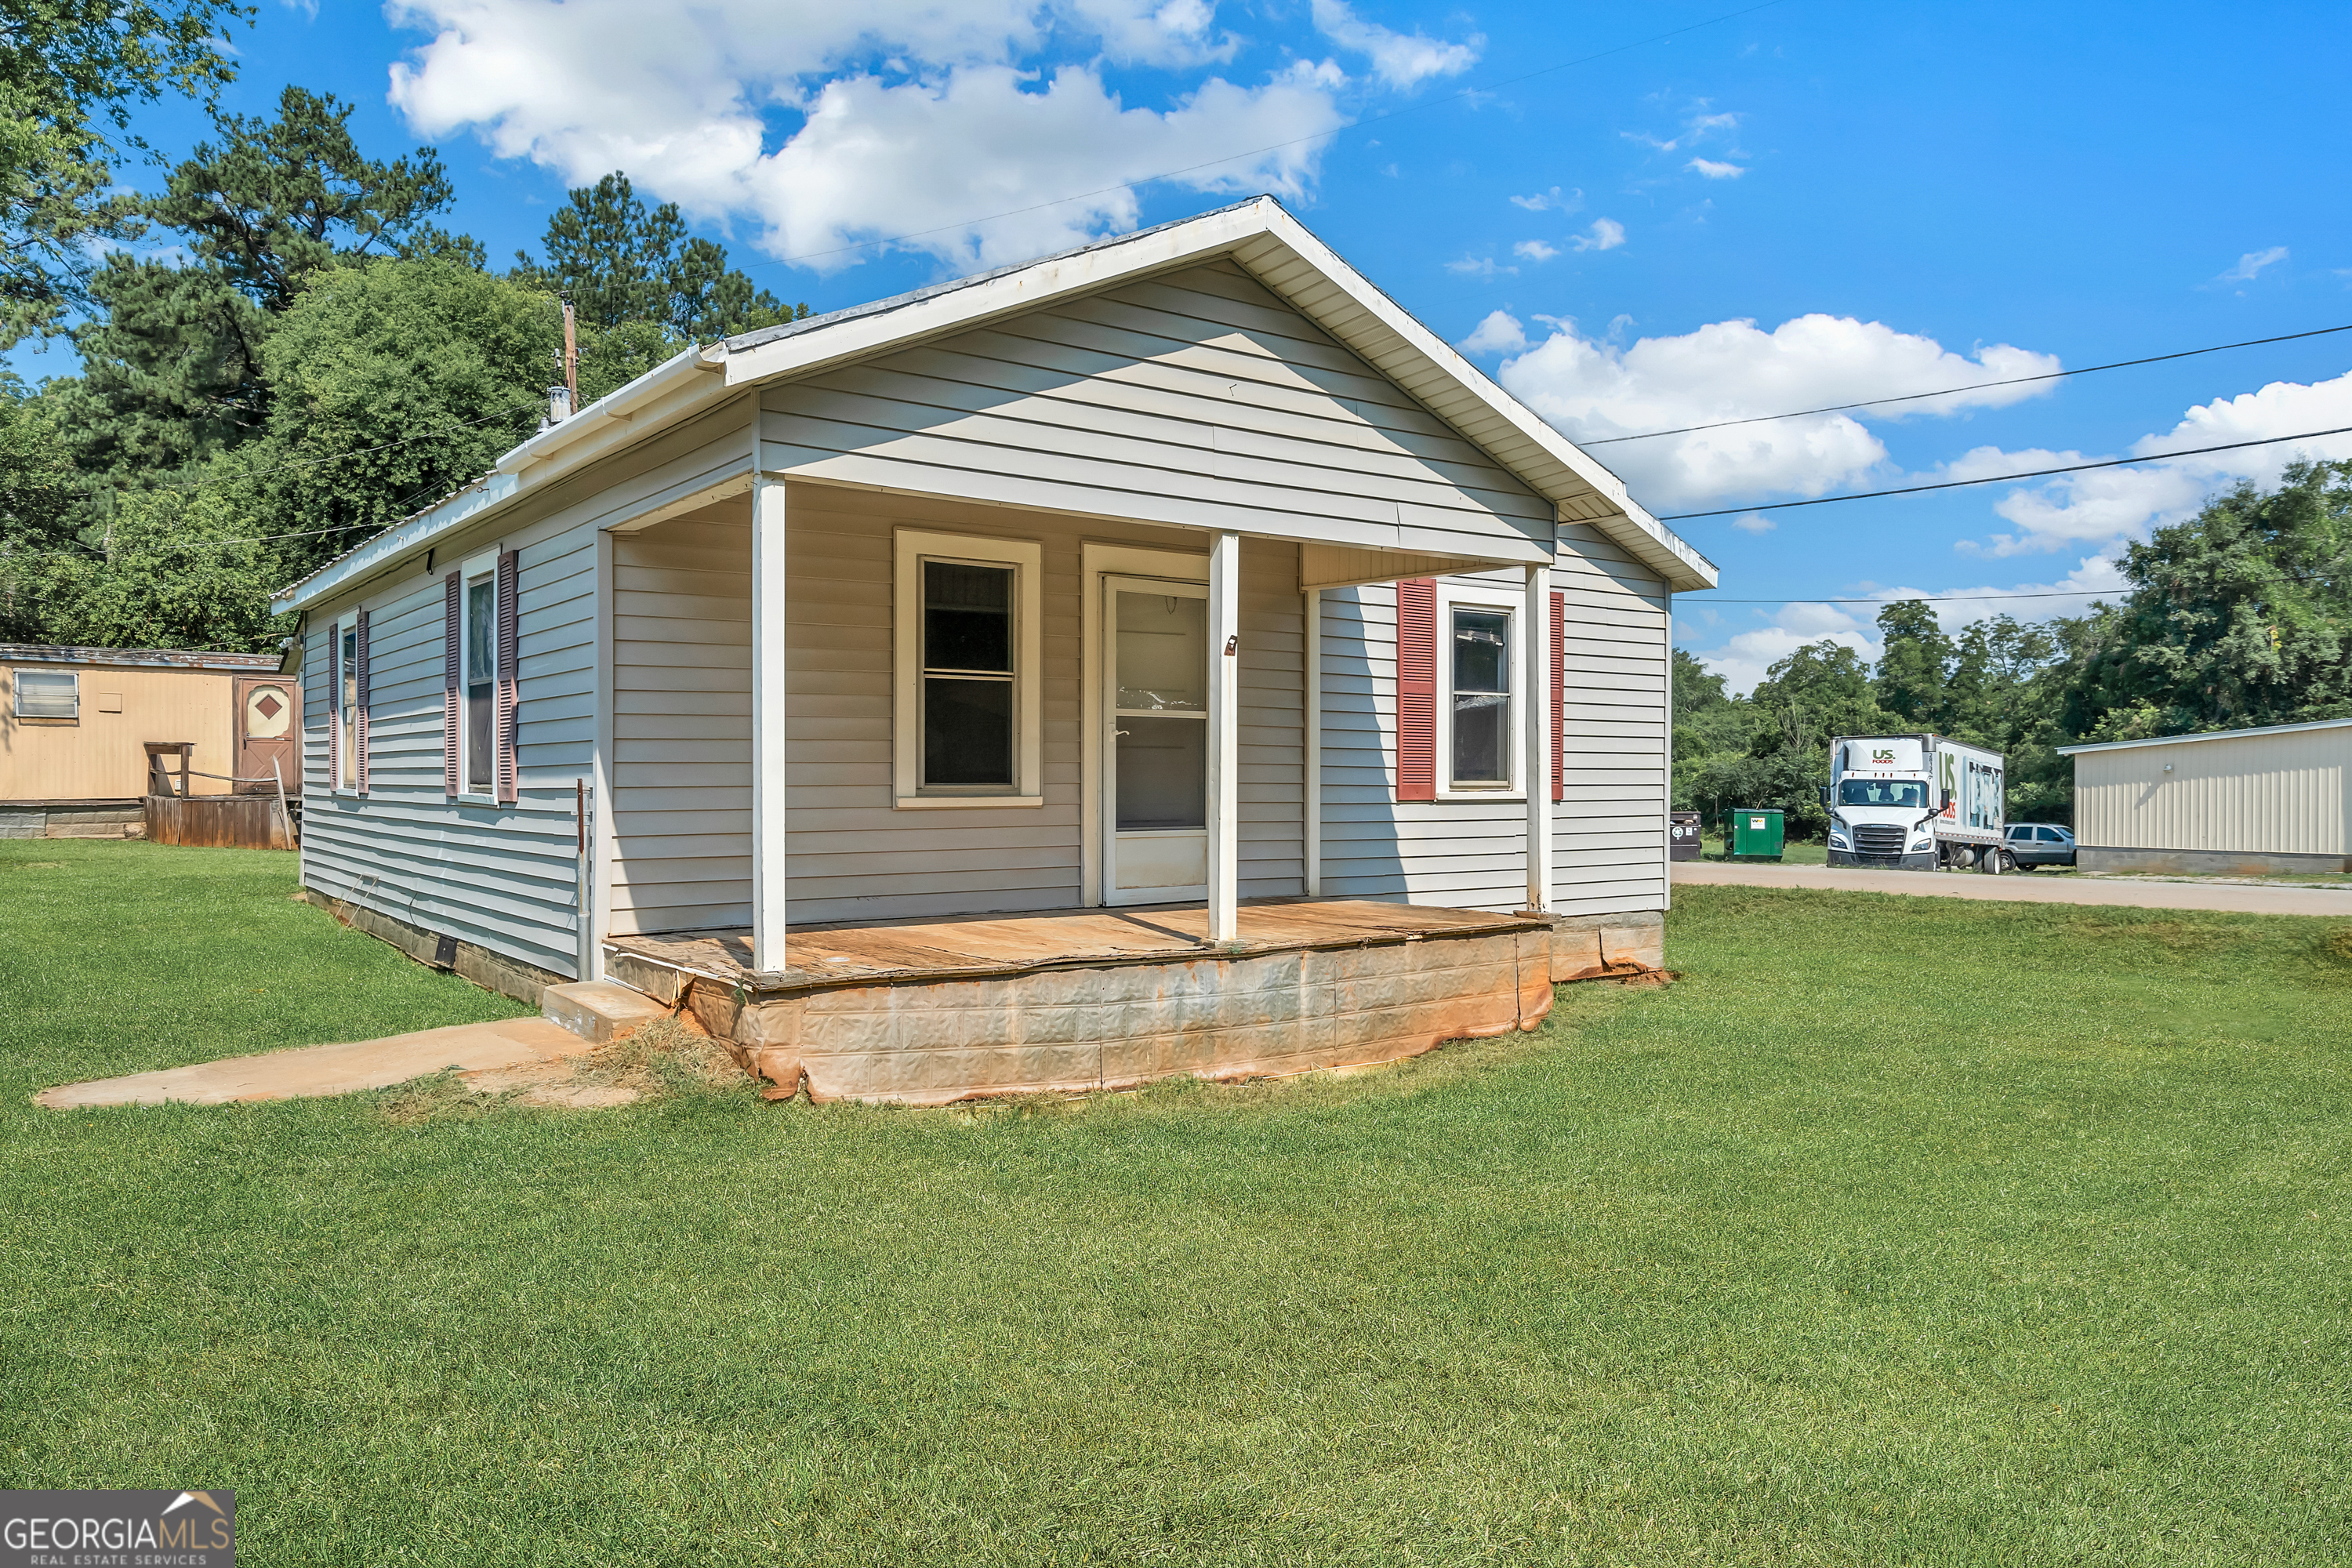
pixel 1882 757
pixel 117 1530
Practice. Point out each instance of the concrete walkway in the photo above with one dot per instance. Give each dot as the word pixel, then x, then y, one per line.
pixel 2026 887
pixel 508 1053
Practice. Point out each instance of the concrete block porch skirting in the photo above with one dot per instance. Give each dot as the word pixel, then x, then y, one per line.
pixel 929 1013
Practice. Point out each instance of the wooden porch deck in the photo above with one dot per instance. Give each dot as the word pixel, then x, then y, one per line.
pixel 931 1011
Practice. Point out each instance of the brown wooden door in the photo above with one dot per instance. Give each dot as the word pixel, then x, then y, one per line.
pixel 268 713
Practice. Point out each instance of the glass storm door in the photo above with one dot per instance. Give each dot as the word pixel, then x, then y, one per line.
pixel 1156 750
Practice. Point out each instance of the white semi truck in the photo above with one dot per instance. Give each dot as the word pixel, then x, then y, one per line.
pixel 1915 803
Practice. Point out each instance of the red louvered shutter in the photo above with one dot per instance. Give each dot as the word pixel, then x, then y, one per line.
pixel 360 720
pixel 1558 696
pixel 509 651
pixel 453 629
pixel 1416 695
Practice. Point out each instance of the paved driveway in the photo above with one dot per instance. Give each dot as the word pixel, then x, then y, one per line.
pixel 2025 889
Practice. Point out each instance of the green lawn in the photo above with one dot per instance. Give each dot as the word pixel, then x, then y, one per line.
pixel 1896 1231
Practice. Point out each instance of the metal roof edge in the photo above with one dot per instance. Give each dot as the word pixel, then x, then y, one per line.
pixel 2201 735
pixel 145 658
pixel 481 496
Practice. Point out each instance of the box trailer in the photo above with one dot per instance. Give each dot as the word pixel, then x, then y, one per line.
pixel 1915 803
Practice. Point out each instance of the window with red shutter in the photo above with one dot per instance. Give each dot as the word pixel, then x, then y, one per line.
pixel 509 652
pixel 453 630
pixel 360 720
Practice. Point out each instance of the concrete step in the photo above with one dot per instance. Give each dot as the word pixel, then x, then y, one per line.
pixel 599 1010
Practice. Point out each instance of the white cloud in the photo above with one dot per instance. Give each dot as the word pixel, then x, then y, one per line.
pixel 1399 59
pixel 957 121
pixel 1715 171
pixel 1589 389
pixel 1499 334
pixel 1552 200
pixel 1480 266
pixel 1535 250
pixel 1696 129
pixel 1606 233
pixel 1754 522
pixel 2107 505
pixel 1743 657
pixel 2252 262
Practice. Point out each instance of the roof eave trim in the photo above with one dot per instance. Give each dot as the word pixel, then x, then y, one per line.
pixel 2207 735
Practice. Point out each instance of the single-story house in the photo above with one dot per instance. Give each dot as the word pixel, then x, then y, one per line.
pixel 2249 802
pixel 1166 657
pixel 76 724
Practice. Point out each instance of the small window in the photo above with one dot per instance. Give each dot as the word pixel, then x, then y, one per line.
pixel 479 663
pixel 965 723
pixel 970 719
pixel 347 699
pixel 2020 833
pixel 1481 698
pixel 2050 836
pixel 49 694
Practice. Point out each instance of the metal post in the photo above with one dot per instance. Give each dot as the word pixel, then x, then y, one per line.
pixel 1224 736
pixel 768 712
pixel 1535 686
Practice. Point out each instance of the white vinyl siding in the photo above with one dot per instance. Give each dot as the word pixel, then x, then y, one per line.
pixel 1608 829
pixel 682 723
pixel 1197 399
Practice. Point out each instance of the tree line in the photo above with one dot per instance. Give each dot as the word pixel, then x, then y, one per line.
pixel 2238 616
pixel 281 349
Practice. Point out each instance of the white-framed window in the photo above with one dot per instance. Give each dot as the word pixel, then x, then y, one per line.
pixel 477 679
pixel 1481 692
pixel 54 694
pixel 347 706
pixel 967 726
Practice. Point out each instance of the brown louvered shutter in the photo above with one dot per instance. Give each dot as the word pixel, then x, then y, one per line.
pixel 359 724
pixel 334 706
pixel 453 629
pixel 509 652
pixel 1558 696
pixel 1417 689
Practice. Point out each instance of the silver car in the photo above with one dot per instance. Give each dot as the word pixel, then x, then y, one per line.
pixel 2033 843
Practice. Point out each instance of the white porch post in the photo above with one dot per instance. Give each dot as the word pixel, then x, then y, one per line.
pixel 1313 816
pixel 1224 736
pixel 767 709
pixel 1535 679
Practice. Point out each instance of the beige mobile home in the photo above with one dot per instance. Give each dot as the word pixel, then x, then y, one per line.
pixel 75 724
pixel 2248 801
pixel 1168 657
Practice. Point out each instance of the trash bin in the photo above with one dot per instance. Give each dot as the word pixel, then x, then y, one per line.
pixel 1756 835
pixel 1682 835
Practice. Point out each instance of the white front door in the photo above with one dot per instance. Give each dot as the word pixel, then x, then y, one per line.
pixel 1155 706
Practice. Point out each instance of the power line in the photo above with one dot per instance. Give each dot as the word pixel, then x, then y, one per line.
pixel 2005 479
pixel 1454 97
pixel 1972 386
pixel 1913 598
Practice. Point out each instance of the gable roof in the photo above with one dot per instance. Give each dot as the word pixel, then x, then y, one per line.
pixel 1257 235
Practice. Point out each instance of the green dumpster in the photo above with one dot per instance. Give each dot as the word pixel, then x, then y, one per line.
pixel 1756 835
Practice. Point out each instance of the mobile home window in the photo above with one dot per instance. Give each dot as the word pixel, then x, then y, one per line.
pixel 478 663
pixel 49 694
pixel 966 721
pixel 347 704
pixel 1479 687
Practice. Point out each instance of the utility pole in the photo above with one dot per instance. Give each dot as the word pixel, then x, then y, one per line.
pixel 570 359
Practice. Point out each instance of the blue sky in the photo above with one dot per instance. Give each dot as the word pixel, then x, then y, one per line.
pixel 1805 203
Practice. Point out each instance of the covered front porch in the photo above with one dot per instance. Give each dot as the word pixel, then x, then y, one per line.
pixel 927 1012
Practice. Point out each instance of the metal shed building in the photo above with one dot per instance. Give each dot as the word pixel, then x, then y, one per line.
pixel 2249 801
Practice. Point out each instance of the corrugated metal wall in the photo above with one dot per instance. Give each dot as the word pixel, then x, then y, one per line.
pixel 2278 794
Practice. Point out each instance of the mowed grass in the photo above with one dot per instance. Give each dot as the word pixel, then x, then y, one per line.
pixel 1896 1231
